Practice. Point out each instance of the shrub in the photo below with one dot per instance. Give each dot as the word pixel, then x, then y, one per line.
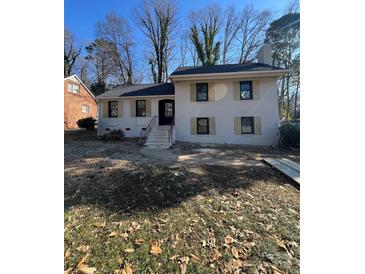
pixel 290 135
pixel 88 123
pixel 115 134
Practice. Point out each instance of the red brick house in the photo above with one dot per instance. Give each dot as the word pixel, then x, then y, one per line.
pixel 79 102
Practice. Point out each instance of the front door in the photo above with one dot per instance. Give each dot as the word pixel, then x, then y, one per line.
pixel 166 111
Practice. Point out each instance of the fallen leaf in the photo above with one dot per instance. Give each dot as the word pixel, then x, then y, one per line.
pixel 155 249
pixel 82 261
pixel 228 239
pixel 139 241
pixel 173 258
pixel 127 269
pixel 194 258
pixel 83 248
pixel 113 234
pixel 129 250
pixel 234 252
pixel 124 235
pixel 100 224
pixel 84 269
pixel 282 244
pixel 237 263
pixel 67 254
pixel 204 243
pixel 68 270
pixel 249 244
pixel 183 264
pixel 216 255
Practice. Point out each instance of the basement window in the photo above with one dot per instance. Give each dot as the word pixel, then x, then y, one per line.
pixel 202 125
pixel 247 125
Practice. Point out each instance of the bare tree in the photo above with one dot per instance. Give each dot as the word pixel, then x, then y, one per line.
pixel 157 20
pixel 82 68
pixel 292 6
pixel 231 26
pixel 101 64
pixel 251 33
pixel 204 29
pixel 284 36
pixel 116 30
pixel 71 53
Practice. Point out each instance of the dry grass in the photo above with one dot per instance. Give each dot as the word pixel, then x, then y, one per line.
pixel 117 209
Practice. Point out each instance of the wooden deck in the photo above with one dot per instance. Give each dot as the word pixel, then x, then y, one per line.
pixel 289 168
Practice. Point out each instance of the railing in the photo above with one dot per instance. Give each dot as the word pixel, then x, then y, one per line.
pixel 146 132
pixel 171 129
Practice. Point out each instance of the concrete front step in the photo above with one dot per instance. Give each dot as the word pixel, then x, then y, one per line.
pixel 158 146
pixel 158 142
pixel 159 137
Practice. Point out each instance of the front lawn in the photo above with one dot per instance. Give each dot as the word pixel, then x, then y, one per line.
pixel 125 215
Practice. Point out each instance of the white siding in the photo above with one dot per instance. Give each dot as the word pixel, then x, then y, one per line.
pixel 224 109
pixel 134 123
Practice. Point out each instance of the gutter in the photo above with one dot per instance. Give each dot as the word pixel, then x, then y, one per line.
pixel 226 75
pixel 132 97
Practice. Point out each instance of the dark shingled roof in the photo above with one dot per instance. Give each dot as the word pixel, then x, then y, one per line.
pixel 224 69
pixel 139 90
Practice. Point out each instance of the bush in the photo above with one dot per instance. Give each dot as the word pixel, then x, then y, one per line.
pixel 290 135
pixel 88 123
pixel 115 134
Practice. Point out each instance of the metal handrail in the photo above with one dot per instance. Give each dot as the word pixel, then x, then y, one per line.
pixel 148 129
pixel 171 128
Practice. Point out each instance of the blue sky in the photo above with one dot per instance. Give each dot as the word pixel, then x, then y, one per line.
pixel 81 15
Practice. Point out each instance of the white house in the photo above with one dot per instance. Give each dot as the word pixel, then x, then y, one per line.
pixel 235 104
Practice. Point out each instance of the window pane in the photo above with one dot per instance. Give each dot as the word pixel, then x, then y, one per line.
pixel 76 88
pixel 247 125
pixel 69 87
pixel 203 126
pixel 113 109
pixel 85 108
pixel 245 90
pixel 168 109
pixel 202 91
pixel 141 108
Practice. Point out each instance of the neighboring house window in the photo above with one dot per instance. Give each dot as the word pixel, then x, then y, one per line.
pixel 246 90
pixel 202 91
pixel 85 108
pixel 141 108
pixel 247 125
pixel 113 108
pixel 73 88
pixel 202 125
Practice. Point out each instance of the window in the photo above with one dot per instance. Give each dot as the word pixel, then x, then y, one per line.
pixel 85 108
pixel 141 108
pixel 202 91
pixel 246 90
pixel 73 88
pixel 202 125
pixel 113 108
pixel 169 109
pixel 247 125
